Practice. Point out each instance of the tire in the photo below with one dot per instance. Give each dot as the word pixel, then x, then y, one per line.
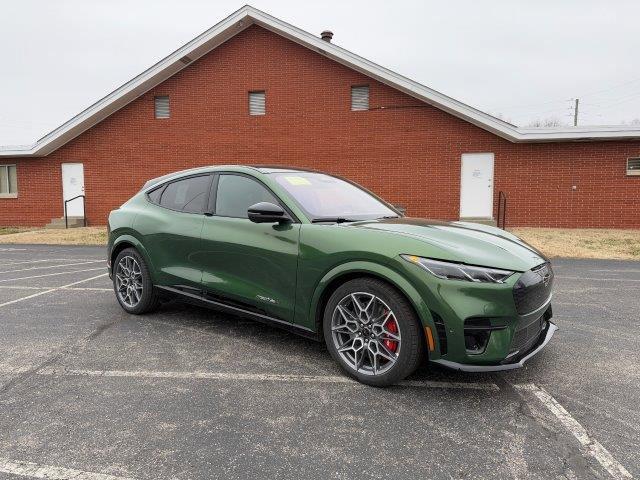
pixel 132 283
pixel 348 327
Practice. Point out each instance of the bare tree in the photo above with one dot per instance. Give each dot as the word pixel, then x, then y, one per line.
pixel 546 122
pixel 635 121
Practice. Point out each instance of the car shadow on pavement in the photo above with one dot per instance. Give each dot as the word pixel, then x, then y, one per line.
pixel 280 341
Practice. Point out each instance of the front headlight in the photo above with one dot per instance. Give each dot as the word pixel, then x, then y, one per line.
pixel 458 271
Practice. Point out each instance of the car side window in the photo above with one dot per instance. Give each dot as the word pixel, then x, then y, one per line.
pixel 236 193
pixel 188 195
pixel 154 195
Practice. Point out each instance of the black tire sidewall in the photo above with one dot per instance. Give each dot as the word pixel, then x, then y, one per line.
pixel 412 346
pixel 149 298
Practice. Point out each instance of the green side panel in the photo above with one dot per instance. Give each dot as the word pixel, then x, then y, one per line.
pixel 171 238
pixel 251 263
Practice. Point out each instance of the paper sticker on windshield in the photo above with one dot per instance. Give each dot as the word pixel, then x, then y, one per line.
pixel 298 181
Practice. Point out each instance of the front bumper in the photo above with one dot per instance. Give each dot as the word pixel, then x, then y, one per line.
pixel 544 339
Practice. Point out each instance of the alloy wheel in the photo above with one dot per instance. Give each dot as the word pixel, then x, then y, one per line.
pixel 366 333
pixel 129 281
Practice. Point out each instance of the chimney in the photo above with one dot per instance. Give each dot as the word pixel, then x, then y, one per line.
pixel 326 35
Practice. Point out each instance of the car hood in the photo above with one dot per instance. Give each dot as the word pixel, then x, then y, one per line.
pixel 464 242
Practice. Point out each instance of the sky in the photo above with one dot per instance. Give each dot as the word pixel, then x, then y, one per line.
pixel 519 60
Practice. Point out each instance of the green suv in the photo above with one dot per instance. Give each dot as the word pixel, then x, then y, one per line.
pixel 323 257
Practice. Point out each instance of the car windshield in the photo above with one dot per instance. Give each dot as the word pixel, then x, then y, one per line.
pixel 326 197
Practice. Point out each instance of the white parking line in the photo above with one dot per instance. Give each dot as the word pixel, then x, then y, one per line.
pixel 627 270
pixel 600 279
pixel 44 292
pixel 35 470
pixel 591 446
pixel 51 266
pixel 254 377
pixel 4 264
pixel 24 287
pixel 54 274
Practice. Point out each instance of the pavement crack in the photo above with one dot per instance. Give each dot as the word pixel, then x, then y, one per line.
pixel 56 355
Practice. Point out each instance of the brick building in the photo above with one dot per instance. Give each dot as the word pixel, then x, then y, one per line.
pixel 255 90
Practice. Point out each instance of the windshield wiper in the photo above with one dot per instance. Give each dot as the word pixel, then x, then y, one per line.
pixel 388 216
pixel 332 220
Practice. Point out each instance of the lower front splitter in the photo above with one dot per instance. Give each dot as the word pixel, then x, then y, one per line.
pixel 551 329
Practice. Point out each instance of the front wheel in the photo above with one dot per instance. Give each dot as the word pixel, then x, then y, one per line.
pixel 132 283
pixel 372 331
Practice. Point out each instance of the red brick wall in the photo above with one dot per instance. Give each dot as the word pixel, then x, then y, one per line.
pixel 410 154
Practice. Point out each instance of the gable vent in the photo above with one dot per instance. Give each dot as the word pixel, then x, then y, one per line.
pixel 162 106
pixel 186 60
pixel 257 103
pixel 360 98
pixel 633 166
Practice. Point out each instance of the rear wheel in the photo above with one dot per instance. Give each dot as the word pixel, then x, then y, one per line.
pixel 132 283
pixel 372 332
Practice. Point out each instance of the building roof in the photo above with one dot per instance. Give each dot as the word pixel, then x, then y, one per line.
pixel 247 16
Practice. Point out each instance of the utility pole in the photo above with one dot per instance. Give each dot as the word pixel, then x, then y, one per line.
pixel 575 113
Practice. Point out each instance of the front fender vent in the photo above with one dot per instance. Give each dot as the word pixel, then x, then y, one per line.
pixel 441 331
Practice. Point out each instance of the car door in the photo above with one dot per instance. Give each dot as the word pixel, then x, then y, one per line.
pixel 252 265
pixel 171 227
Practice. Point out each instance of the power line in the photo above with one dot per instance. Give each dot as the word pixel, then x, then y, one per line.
pixel 582 95
pixel 610 88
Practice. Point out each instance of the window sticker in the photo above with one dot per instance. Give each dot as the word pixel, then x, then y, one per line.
pixel 298 181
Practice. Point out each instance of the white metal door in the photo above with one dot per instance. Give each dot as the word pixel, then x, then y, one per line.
pixel 72 186
pixel 476 185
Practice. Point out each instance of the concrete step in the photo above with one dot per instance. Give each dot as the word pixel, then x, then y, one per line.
pixel 57 223
pixel 481 220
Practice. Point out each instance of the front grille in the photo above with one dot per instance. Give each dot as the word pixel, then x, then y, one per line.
pixel 526 335
pixel 533 289
pixel 441 331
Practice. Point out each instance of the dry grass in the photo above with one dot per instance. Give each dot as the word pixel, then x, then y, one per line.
pixel 11 230
pixel 583 243
pixel 72 236
pixel 554 242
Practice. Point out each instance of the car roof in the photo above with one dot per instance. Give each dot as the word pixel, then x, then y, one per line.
pixel 265 169
pixel 281 169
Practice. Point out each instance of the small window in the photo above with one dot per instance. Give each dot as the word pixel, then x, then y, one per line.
pixel 8 181
pixel 633 166
pixel 188 195
pixel 162 106
pixel 154 195
pixel 257 103
pixel 237 193
pixel 360 98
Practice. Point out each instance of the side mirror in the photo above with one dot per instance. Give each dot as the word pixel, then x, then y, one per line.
pixel 265 212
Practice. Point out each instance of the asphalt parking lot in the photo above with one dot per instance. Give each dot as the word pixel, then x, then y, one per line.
pixel 87 391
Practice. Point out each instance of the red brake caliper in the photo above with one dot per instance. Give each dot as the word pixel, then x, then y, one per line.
pixel 392 326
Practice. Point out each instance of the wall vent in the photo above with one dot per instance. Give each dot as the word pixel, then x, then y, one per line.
pixel 257 103
pixel 360 97
pixel 186 60
pixel 633 166
pixel 162 106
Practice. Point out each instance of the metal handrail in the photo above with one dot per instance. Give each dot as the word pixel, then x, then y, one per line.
pixel 502 210
pixel 84 211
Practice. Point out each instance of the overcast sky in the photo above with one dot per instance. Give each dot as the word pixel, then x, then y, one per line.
pixel 522 60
